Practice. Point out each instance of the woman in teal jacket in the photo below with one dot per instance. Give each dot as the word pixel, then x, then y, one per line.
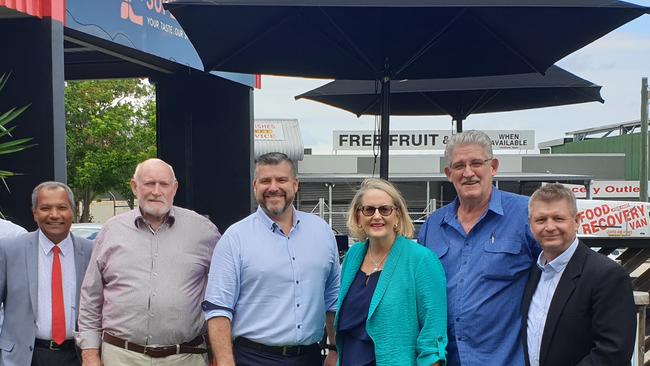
pixel 392 302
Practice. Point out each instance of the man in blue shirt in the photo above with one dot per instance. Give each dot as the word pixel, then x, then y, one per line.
pixel 486 248
pixel 274 279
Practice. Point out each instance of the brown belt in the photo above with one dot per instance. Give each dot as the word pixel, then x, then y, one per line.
pixel 157 352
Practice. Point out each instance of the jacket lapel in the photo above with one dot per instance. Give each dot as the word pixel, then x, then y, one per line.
pixel 563 292
pixel 31 259
pixel 78 265
pixel 533 279
pixel 386 273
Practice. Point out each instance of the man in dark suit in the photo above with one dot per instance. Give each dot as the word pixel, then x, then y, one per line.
pixel 578 307
pixel 40 276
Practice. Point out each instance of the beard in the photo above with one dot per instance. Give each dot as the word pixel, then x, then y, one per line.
pixel 278 209
pixel 155 210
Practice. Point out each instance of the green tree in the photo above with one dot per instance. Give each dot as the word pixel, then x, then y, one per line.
pixel 9 144
pixel 110 128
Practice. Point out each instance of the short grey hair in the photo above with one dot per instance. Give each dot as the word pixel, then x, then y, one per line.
pixel 471 137
pixel 276 158
pixel 139 166
pixel 554 192
pixel 49 185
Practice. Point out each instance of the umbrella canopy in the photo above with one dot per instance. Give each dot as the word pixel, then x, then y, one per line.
pixel 393 39
pixel 460 97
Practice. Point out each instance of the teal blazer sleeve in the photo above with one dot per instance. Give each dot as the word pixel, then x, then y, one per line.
pixel 431 292
pixel 407 319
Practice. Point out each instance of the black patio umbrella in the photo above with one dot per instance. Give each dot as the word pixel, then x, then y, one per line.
pixel 459 97
pixel 394 39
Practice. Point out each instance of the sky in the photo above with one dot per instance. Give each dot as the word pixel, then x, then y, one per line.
pixel 616 61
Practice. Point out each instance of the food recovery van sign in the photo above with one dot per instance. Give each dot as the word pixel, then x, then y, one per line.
pixel 613 218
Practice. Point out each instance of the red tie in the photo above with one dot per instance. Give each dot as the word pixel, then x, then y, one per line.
pixel 58 313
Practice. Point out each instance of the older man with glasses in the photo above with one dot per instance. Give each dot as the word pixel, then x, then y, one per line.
pixel 486 248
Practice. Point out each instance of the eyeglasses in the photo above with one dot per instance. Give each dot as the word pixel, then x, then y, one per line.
pixel 385 210
pixel 474 165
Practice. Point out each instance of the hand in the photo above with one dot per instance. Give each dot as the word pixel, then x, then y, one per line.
pixel 90 357
pixel 331 358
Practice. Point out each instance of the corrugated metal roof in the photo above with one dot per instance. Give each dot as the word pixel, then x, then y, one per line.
pixel 279 135
pixel 38 8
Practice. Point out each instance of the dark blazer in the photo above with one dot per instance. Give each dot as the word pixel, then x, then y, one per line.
pixel 19 292
pixel 591 319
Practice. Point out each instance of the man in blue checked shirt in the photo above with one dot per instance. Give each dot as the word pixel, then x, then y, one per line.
pixel 274 279
pixel 486 248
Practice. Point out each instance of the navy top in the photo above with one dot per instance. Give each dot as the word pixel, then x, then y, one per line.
pixel 358 348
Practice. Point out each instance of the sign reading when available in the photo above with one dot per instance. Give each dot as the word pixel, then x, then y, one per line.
pixel 428 139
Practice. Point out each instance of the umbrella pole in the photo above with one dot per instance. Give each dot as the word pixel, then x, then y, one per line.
pixel 459 125
pixel 385 127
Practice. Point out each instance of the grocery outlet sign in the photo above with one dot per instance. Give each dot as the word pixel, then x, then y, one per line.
pixel 608 189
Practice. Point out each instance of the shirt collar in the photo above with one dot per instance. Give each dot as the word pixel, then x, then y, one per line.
pixel 46 244
pixel 272 225
pixel 558 264
pixel 494 206
pixel 139 221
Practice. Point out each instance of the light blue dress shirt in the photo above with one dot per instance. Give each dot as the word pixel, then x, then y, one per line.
pixel 486 277
pixel 9 230
pixel 550 277
pixel 68 274
pixel 274 287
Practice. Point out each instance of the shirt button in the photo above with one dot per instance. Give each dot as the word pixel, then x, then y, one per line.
pixel 293 258
pixel 297 282
pixel 299 327
pixel 298 305
pixel 457 319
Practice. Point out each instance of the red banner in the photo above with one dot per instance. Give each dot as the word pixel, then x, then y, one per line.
pixel 54 9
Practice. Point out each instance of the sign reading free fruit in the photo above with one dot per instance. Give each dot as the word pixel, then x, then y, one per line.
pixel 427 139
pixel 613 218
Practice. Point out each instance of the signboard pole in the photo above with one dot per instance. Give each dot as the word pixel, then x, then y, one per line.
pixel 643 172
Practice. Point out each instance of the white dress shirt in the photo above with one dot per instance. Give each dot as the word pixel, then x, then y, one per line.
pixel 551 273
pixel 44 316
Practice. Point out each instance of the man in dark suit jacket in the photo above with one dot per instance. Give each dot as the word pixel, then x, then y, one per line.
pixel 578 307
pixel 31 328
